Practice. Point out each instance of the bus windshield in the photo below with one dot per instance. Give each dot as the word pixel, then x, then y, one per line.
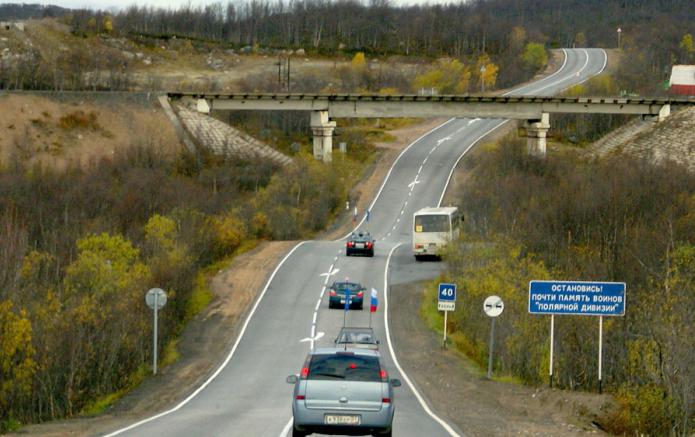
pixel 432 223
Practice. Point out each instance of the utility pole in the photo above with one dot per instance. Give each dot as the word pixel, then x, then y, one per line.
pixel 619 32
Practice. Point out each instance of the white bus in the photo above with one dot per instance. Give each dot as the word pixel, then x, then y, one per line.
pixel 433 228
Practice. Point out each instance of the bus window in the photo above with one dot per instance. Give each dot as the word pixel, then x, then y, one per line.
pixel 432 223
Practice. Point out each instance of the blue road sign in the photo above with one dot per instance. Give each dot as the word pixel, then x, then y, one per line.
pixel 447 292
pixel 577 298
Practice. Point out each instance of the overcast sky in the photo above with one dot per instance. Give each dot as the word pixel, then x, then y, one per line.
pixel 109 4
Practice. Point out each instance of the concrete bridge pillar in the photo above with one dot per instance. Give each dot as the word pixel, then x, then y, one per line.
pixel 536 134
pixel 322 128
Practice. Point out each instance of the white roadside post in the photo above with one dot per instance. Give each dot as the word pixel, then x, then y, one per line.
pixel 155 298
pixel 446 301
pixel 493 307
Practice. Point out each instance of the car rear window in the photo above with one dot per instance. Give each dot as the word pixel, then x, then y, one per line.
pixel 344 367
pixel 342 286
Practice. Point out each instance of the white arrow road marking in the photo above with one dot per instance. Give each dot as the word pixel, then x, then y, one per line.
pixel 413 183
pixel 315 338
pixel 330 273
pixel 470 122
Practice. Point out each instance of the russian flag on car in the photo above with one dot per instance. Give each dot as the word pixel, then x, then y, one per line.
pixel 374 301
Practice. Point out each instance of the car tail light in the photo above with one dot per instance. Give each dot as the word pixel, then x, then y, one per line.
pixel 305 372
pixel 333 293
pixel 350 244
pixel 369 244
pixel 383 400
pixel 360 294
pixel 383 375
pixel 302 397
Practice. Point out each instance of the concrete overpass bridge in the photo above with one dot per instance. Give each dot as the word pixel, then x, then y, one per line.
pixel 532 112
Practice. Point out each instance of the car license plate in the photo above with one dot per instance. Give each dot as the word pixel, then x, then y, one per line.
pixel 342 300
pixel 359 245
pixel 340 419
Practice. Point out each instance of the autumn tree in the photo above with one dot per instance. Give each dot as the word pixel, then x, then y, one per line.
pixel 447 76
pixel 17 365
pixel 487 72
pixel 535 56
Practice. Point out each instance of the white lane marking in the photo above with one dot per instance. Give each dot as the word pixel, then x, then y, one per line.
pixel 398 220
pixel 440 141
pixel 473 121
pixel 402 211
pixel 225 362
pixel 318 304
pixel 313 334
pixel 388 175
pixel 420 399
pixel 314 319
pixel 603 67
pixel 425 161
pixel 336 258
pixel 419 170
pixel 329 273
pixel 287 427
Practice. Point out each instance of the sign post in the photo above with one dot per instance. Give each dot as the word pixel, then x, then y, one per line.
pixel 155 298
pixel 577 298
pixel 493 307
pixel 446 301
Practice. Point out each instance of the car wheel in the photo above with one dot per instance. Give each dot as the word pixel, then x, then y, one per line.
pixel 298 433
pixel 371 253
pixel 388 433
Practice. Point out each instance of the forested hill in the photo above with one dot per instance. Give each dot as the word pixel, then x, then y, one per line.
pixel 652 31
pixel 16 11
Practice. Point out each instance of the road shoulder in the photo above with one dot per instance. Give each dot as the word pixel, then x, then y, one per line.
pixel 457 388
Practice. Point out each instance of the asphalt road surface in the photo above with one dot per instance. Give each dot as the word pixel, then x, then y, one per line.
pixel 248 395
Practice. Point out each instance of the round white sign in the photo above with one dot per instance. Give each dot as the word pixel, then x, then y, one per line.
pixel 493 306
pixel 156 294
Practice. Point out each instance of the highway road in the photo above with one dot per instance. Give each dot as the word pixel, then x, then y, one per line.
pixel 248 395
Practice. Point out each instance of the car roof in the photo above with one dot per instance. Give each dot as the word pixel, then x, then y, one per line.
pixel 342 350
pixel 357 329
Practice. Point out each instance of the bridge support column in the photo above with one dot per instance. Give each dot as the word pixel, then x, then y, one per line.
pixel 664 112
pixel 322 129
pixel 536 134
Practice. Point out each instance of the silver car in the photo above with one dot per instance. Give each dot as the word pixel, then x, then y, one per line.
pixel 343 391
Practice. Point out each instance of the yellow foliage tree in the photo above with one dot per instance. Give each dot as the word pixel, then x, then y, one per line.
pixel 448 76
pixel 487 72
pixel 17 364
pixel 108 24
pixel 230 231
pixel 359 62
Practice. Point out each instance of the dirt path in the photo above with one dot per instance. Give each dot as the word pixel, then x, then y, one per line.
pixel 457 389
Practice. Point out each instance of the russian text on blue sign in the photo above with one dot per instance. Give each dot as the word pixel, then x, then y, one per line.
pixel 577 297
pixel 447 292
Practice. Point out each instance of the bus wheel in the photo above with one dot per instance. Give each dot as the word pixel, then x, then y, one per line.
pixel 418 258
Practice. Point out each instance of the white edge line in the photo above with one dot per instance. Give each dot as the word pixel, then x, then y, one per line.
pixel 226 361
pixel 287 427
pixel 564 62
pixel 605 62
pixel 451 173
pixel 383 184
pixel 424 405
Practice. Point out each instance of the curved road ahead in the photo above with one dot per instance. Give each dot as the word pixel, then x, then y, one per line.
pixel 248 395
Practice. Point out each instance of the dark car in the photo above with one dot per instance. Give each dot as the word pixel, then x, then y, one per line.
pixel 352 337
pixel 360 242
pixel 339 290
